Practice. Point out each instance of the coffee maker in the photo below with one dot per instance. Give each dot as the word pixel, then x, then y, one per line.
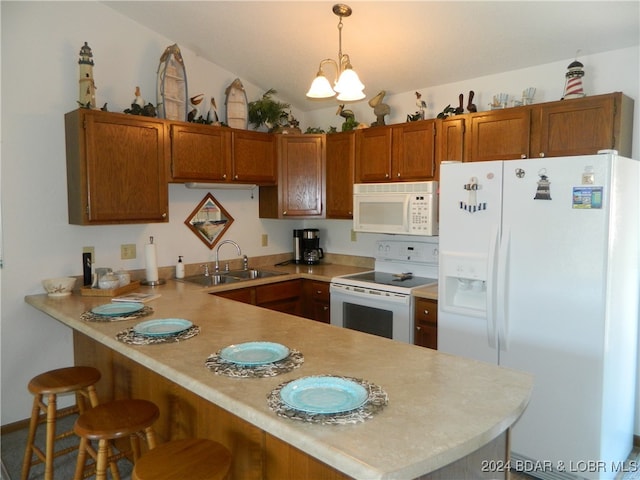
pixel 310 243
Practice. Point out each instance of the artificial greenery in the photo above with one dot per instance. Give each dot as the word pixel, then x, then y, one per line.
pixel 268 111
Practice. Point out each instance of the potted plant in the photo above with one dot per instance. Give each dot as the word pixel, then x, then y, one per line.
pixel 269 112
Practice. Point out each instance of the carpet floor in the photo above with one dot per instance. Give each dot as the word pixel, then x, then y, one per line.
pixel 12 447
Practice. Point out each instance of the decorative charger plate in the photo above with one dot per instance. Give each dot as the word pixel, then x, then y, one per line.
pixel 324 395
pixel 254 353
pixel 162 327
pixel 117 309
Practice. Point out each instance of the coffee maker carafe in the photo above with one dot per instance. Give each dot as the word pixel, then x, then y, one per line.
pixel 311 251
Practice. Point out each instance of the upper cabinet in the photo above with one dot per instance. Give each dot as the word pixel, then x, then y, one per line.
pixel 117 168
pixel 202 153
pixel 199 153
pixel 579 126
pixel 254 158
pixel 341 151
pixel 404 152
pixel 300 189
pixel 583 126
pixel 499 135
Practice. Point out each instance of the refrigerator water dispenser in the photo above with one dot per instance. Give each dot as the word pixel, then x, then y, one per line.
pixel 463 284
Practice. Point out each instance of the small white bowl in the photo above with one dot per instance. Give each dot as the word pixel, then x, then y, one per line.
pixel 59 287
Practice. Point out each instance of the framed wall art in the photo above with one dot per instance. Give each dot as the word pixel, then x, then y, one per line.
pixel 209 221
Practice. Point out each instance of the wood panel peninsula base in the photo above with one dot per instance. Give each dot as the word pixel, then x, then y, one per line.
pixel 447 416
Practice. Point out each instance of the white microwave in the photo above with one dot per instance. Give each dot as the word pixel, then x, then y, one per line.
pixel 404 208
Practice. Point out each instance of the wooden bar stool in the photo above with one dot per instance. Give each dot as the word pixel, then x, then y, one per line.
pixel 192 458
pixel 106 423
pixel 78 380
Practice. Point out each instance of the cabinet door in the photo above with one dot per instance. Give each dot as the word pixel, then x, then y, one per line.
pixel 199 153
pixel 282 296
pixel 500 135
pixel 426 323
pixel 373 155
pixel 116 168
pixel 340 172
pixel 451 139
pixel 253 157
pixel 301 162
pixel 414 151
pixel 576 127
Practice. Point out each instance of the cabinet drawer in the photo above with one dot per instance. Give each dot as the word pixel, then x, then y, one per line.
pixel 426 311
pixel 320 291
pixel 244 295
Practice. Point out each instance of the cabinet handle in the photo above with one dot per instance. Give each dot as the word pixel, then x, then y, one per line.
pixel 386 175
pixel 523 156
pixel 164 215
pixel 284 213
pixel 418 327
pixel 224 176
pixel 541 154
pixel 426 312
pixel 318 292
pixel 236 177
pixel 398 174
pixel 325 308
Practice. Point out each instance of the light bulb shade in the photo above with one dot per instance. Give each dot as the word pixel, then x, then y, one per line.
pixel 349 86
pixel 320 88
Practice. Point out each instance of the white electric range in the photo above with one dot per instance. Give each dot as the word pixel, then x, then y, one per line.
pixel 380 301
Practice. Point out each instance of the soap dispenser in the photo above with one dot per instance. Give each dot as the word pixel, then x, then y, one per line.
pixel 180 268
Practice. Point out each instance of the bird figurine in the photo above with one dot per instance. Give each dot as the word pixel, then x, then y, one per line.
pixel 350 119
pixel 195 101
pixel 471 107
pixel 139 101
pixel 213 119
pixel 460 108
pixel 379 109
pixel 421 105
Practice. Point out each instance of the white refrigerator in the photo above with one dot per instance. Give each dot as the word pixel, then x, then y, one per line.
pixel 539 272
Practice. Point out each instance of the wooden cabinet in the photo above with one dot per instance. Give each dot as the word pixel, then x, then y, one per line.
pixel 580 126
pixel 340 158
pixel 450 134
pixel 253 156
pixel 499 135
pixel 316 300
pixel 403 152
pixel 117 168
pixel 280 296
pixel 199 153
pixel 426 323
pixel 583 126
pixel 300 189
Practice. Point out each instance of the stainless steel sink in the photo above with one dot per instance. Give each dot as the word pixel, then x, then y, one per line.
pixel 211 280
pixel 231 276
pixel 251 274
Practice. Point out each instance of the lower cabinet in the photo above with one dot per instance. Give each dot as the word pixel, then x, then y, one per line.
pixel 281 296
pixel 426 323
pixel 316 301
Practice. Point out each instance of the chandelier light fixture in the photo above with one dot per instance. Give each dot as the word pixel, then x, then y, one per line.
pixel 347 86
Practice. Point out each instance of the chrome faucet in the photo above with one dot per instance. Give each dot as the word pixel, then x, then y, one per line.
pixel 217 266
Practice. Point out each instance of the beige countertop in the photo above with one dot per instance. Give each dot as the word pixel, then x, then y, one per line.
pixel 441 408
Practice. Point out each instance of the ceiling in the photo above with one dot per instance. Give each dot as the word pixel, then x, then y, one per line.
pixel 394 46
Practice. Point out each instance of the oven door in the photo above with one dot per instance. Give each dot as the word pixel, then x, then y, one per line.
pixel 372 311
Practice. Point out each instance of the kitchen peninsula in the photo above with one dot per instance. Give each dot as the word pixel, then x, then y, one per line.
pixel 446 416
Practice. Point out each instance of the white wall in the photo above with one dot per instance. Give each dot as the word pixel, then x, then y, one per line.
pixel 40 45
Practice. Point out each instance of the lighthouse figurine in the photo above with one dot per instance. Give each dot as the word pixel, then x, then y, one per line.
pixel 573 84
pixel 87 98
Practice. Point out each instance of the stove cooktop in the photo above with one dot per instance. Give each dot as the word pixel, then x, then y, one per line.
pixel 402 280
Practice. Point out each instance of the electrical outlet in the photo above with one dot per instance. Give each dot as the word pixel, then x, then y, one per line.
pixel 92 251
pixel 354 236
pixel 128 251
pixel 265 240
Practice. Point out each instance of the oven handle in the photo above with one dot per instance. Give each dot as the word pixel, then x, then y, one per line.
pixel 346 292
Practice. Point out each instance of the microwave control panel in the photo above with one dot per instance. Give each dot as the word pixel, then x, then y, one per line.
pixel 422 215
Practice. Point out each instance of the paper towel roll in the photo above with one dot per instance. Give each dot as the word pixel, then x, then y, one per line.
pixel 151 261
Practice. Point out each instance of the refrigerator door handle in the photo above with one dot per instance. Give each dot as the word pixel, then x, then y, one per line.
pixel 492 268
pixel 502 307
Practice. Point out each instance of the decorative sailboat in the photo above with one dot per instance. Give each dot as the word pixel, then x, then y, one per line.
pixel 172 97
pixel 237 105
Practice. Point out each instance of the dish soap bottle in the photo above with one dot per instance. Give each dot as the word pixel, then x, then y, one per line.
pixel 180 268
